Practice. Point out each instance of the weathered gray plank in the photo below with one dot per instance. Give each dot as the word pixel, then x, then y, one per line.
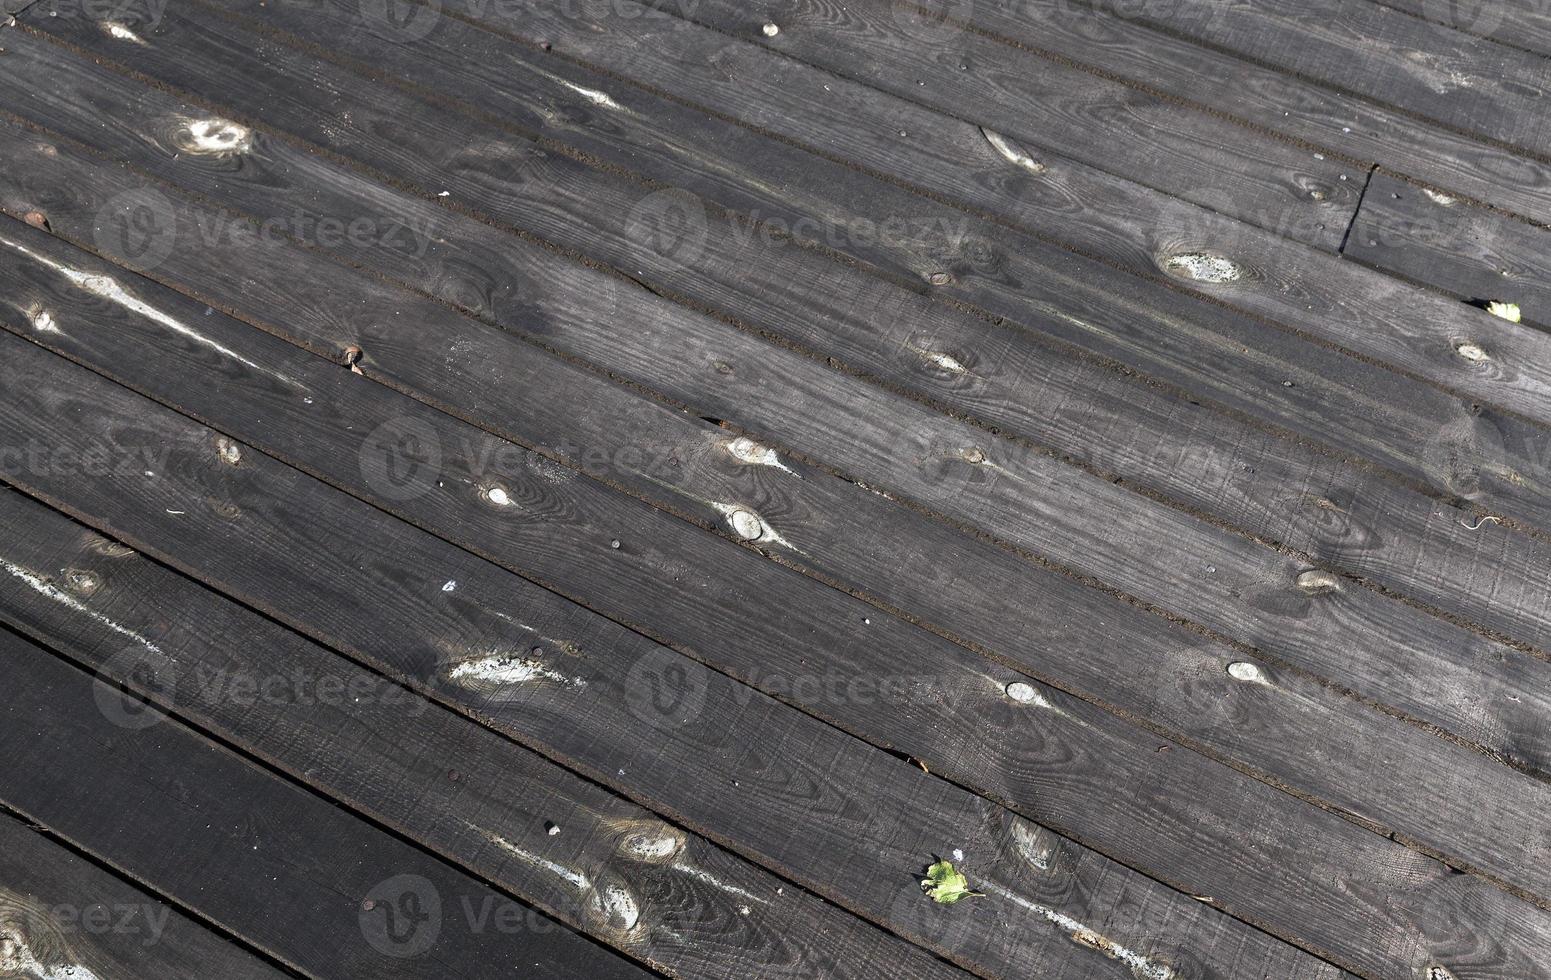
pixel 1319 509
pixel 63 917
pixel 1300 289
pixel 287 872
pixel 1151 46
pixel 1450 245
pixel 1516 23
pixel 1073 803
pixel 836 814
pixel 503 813
pixel 1286 382
pixel 1010 504
pixel 1427 68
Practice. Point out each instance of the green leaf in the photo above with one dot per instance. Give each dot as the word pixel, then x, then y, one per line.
pixel 944 885
pixel 1508 311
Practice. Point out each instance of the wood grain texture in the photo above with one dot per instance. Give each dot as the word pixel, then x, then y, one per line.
pixel 643 546
pixel 1151 46
pixel 1427 68
pixel 1285 381
pixel 1305 290
pixel 583 512
pixel 287 872
pixel 1011 508
pixel 1005 507
pixel 1470 252
pixel 1517 23
pixel 600 864
pixel 62 916
pixel 1144 438
pixel 718 756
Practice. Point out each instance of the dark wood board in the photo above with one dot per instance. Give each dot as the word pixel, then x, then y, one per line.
pixel 1280 492
pixel 709 574
pixel 1087 119
pixel 597 862
pixel 63 916
pixel 1312 294
pixel 1288 771
pixel 1145 46
pixel 272 864
pixel 836 813
pixel 1286 381
pixel 1306 290
pixel 1352 794
pixel 1427 68
pixel 1517 23
pixel 1474 254
pixel 639 544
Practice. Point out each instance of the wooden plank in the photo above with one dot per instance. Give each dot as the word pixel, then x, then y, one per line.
pixel 1139 435
pixel 1078 515
pixel 274 865
pixel 883 650
pixel 1301 289
pixel 1148 49
pixel 1516 23
pixel 63 917
pixel 843 817
pixel 1285 382
pixel 1433 71
pixel 1448 244
pixel 1095 124
pixel 502 813
pixel 1504 719
pixel 1334 639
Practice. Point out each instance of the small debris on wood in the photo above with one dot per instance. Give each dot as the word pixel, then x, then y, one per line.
pixel 946 886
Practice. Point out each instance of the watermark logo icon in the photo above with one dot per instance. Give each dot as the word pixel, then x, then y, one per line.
pixel 401 20
pixel 671 223
pixel 144 669
pixel 666 690
pixel 138 227
pixel 402 917
pixel 401 459
pixel 1470 16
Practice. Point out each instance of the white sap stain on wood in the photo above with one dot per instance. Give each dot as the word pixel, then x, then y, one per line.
pixel 1026 840
pixel 1317 580
pixel 212 137
pixel 18 960
pixel 48 590
pixel 946 362
pixel 1471 352
pixel 1141 967
pixel 1243 670
pixel 1012 152
pixel 1203 267
pixel 1439 198
pixel 748 451
pixel 748 525
pixel 42 320
pixel 715 882
pixel 507 669
pixel 652 846
pixel 572 877
pixel 122 33
pixel 617 906
pixel 108 288
pixel 598 98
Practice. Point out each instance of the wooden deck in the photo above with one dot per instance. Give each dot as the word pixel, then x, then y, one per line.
pixel 500 488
